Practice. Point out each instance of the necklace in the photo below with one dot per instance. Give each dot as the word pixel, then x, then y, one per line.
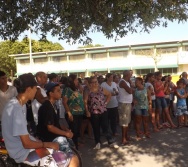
pixel 53 107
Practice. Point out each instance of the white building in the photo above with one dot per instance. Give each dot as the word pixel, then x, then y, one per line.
pixel 172 58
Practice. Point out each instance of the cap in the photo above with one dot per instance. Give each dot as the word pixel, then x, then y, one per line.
pixel 50 85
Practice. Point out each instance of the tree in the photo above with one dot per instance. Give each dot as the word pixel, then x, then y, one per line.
pixel 154 53
pixel 8 64
pixel 91 46
pixel 72 20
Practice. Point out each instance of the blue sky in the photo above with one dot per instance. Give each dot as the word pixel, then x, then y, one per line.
pixel 174 32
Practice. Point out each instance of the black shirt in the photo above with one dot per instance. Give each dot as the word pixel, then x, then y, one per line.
pixel 47 115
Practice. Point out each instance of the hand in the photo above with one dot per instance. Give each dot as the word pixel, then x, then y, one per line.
pixel 88 114
pixel 70 117
pixel 54 146
pixel 69 134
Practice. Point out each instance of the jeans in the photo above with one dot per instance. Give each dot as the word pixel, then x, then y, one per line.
pixel 99 121
pixel 112 116
pixel 75 128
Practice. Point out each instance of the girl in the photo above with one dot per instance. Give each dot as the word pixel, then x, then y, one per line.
pixel 142 100
pixel 160 100
pixel 149 85
pixel 181 103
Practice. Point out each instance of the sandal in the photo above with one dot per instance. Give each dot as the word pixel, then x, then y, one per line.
pixel 125 143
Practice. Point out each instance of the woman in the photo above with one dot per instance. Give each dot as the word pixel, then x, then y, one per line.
pixel 149 85
pixel 142 100
pixel 112 106
pixel 95 107
pixel 74 106
pixel 20 145
pixel 160 100
pixel 86 123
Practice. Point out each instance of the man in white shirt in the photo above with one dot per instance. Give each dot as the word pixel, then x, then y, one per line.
pixel 125 105
pixel 6 91
pixel 41 95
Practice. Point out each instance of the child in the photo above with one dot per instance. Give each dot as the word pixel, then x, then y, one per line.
pixel 181 112
pixel 142 100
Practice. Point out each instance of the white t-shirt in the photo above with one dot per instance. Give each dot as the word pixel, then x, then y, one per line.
pixel 36 105
pixel 14 125
pixel 6 96
pixel 124 96
pixel 113 101
pixel 61 108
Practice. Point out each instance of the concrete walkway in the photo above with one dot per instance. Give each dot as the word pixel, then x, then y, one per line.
pixel 167 148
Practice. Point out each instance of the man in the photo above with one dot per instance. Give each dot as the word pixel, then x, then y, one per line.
pixel 48 127
pixel 125 105
pixel 6 91
pixel 40 96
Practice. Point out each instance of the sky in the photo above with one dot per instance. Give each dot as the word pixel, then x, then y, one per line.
pixel 174 32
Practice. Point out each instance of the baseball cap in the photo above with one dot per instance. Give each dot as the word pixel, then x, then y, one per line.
pixel 50 85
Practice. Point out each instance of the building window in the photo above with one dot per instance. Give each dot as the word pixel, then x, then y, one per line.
pixel 59 59
pixel 118 55
pixel 168 71
pixel 141 72
pixel 167 50
pixel 101 56
pixel 24 61
pixel 144 52
pixel 76 57
pixel 186 48
pixel 40 60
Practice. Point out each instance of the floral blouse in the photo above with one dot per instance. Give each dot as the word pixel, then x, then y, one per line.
pixel 96 102
pixel 75 101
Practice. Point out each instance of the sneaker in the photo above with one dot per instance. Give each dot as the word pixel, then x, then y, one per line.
pixel 113 145
pixel 98 146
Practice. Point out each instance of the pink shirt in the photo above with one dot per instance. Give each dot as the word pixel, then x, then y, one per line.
pixel 159 89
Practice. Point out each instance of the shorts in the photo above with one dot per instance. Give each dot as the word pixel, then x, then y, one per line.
pixel 161 103
pixel 167 101
pixel 153 104
pixel 124 110
pixel 181 110
pixel 141 112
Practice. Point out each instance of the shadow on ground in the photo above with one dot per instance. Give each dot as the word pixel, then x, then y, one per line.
pixel 167 148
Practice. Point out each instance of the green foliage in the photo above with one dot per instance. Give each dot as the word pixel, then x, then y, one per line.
pixel 8 48
pixel 72 20
pixel 91 46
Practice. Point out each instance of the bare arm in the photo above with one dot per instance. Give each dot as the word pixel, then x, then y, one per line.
pixel 149 97
pixel 181 96
pixel 107 94
pixel 30 144
pixel 85 98
pixel 67 109
pixel 39 97
pixel 57 131
pixel 125 86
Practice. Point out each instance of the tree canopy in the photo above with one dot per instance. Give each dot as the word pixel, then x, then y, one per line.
pixel 8 47
pixel 72 20
pixel 91 46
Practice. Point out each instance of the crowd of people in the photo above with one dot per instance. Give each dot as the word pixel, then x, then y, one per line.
pixel 36 111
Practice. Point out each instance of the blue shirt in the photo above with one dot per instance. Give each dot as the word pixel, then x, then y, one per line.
pixel 181 101
pixel 14 125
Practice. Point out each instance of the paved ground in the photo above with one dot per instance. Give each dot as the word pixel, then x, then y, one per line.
pixel 167 148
